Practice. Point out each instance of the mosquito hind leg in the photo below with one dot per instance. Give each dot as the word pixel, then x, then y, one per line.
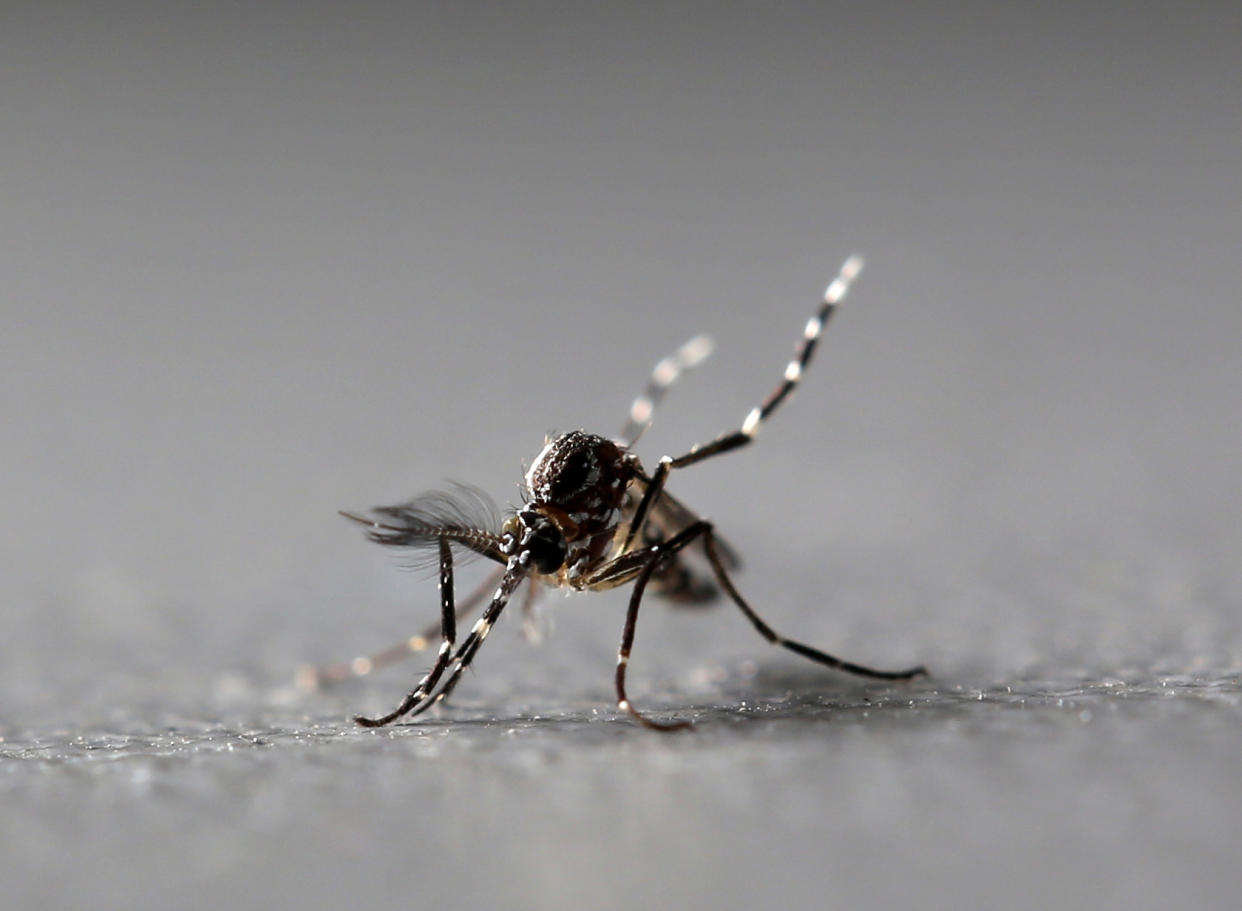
pixel 799 648
pixel 663 376
pixel 726 442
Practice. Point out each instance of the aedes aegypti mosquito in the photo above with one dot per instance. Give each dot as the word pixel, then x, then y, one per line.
pixel 593 519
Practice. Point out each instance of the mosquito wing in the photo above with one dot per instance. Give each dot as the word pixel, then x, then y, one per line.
pixel 462 514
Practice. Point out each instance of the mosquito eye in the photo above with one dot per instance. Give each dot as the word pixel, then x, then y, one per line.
pixel 546 546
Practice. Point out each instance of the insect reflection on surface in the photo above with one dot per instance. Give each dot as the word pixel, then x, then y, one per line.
pixel 594 518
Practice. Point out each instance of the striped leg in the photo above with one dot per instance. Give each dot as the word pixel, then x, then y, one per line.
pixel 514 574
pixel 836 292
pixel 310 677
pixel 665 374
pixel 448 633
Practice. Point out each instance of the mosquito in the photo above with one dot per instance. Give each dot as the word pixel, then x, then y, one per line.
pixel 593 519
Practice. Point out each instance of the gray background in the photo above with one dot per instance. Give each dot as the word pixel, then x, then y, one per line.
pixel 260 262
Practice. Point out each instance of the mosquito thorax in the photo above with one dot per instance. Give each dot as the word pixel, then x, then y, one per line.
pixel 580 473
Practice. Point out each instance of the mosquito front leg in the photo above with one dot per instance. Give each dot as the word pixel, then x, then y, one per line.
pixel 448 635
pixel 310 677
pixel 513 576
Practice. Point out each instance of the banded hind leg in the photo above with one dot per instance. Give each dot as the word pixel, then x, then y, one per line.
pixel 754 421
pixel 665 374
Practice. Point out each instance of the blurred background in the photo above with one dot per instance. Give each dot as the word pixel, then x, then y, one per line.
pixel 262 262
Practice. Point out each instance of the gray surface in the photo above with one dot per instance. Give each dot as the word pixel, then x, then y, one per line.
pixel 259 266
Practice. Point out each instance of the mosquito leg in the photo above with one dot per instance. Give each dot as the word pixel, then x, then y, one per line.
pixel 805 651
pixel 836 292
pixel 448 633
pixel 662 377
pixel 310 677
pixel 655 485
pixel 514 574
pixel 530 622
pixel 658 553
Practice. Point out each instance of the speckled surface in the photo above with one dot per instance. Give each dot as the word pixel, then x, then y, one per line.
pixel 1019 795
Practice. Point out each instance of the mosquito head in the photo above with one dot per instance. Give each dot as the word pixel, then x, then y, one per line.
pixel 536 540
pixel 577 484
